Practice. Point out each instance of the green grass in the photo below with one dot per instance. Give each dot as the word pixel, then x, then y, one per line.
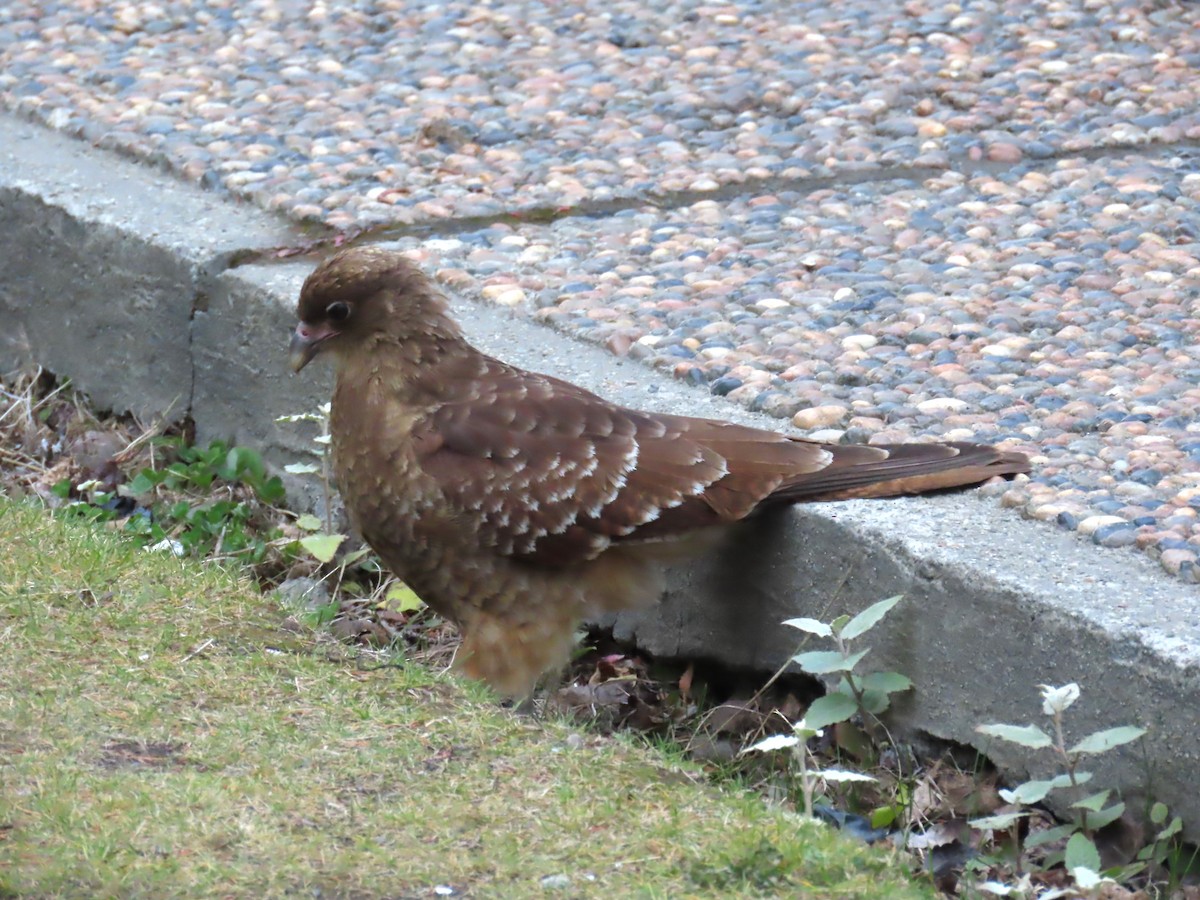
pixel 162 734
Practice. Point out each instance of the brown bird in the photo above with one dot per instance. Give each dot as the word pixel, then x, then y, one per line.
pixel 516 504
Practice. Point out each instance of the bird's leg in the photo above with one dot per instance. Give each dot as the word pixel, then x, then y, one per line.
pixel 549 684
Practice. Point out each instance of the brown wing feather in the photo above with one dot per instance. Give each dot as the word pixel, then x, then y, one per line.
pixel 553 474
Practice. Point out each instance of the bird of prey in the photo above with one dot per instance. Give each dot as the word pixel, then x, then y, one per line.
pixel 516 504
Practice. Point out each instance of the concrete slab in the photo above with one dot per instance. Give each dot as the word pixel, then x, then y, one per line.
pixel 240 355
pixel 995 605
pixel 103 263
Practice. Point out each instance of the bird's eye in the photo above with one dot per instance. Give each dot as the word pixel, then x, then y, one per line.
pixel 337 311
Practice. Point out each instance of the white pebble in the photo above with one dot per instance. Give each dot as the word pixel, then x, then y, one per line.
pixel 504 294
pixel 859 342
pixel 1093 523
pixel 942 404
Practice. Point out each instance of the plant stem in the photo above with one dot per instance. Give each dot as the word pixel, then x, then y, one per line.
pixel 806 779
pixel 326 475
pixel 1072 763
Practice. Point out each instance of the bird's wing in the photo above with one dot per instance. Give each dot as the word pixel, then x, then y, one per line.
pixel 554 474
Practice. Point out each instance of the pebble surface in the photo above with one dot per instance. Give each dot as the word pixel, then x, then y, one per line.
pixel 1034 285
pixel 1050 309
pixel 395 112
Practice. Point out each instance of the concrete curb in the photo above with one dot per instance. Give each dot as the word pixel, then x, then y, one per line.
pixel 124 280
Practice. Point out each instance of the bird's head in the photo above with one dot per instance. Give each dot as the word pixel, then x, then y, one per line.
pixel 364 296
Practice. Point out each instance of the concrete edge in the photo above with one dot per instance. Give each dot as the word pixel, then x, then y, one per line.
pixel 120 278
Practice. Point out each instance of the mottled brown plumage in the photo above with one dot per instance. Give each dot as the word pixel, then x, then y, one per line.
pixel 516 504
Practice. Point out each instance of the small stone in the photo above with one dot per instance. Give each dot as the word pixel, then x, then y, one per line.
pixel 503 294
pixel 1121 534
pixel 860 342
pixel 1004 153
pixel 819 417
pixel 1091 524
pixel 942 404
pixel 303 593
pixel 828 435
pixel 1173 560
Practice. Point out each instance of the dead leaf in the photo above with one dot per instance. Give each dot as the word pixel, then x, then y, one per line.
pixel 938 834
pixel 685 681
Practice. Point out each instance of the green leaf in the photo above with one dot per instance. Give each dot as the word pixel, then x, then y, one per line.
pixel 322 546
pixel 271 490
pixel 823 662
pixel 404 598
pixel 883 817
pixel 1107 739
pixel 1050 835
pixel 325 613
pixel 141 484
pixel 1028 792
pixel 351 558
pixel 997 822
pixel 1035 791
pixel 886 682
pixel 1025 735
pixel 1082 853
pixel 829 710
pixel 1105 816
pixel 250 461
pixel 868 618
pixel 812 626
pixel 308 522
pixel 1095 802
pixel 874 702
pixel 1158 813
pixel 62 488
pixel 1171 830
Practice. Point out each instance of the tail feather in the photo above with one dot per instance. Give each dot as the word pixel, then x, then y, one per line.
pixel 907 469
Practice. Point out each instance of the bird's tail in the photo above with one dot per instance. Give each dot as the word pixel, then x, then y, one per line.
pixel 894 470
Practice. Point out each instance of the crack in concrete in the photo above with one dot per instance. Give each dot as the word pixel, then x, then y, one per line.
pixel 673 200
pixel 204 284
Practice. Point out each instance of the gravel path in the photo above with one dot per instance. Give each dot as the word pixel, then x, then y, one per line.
pixel 371 112
pixel 929 220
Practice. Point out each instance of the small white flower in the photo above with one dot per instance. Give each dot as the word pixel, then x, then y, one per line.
pixel 1057 699
pixel 841 775
pixel 774 742
pixel 167 545
pixel 1086 879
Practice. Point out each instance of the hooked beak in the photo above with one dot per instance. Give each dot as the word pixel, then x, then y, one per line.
pixel 307 342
